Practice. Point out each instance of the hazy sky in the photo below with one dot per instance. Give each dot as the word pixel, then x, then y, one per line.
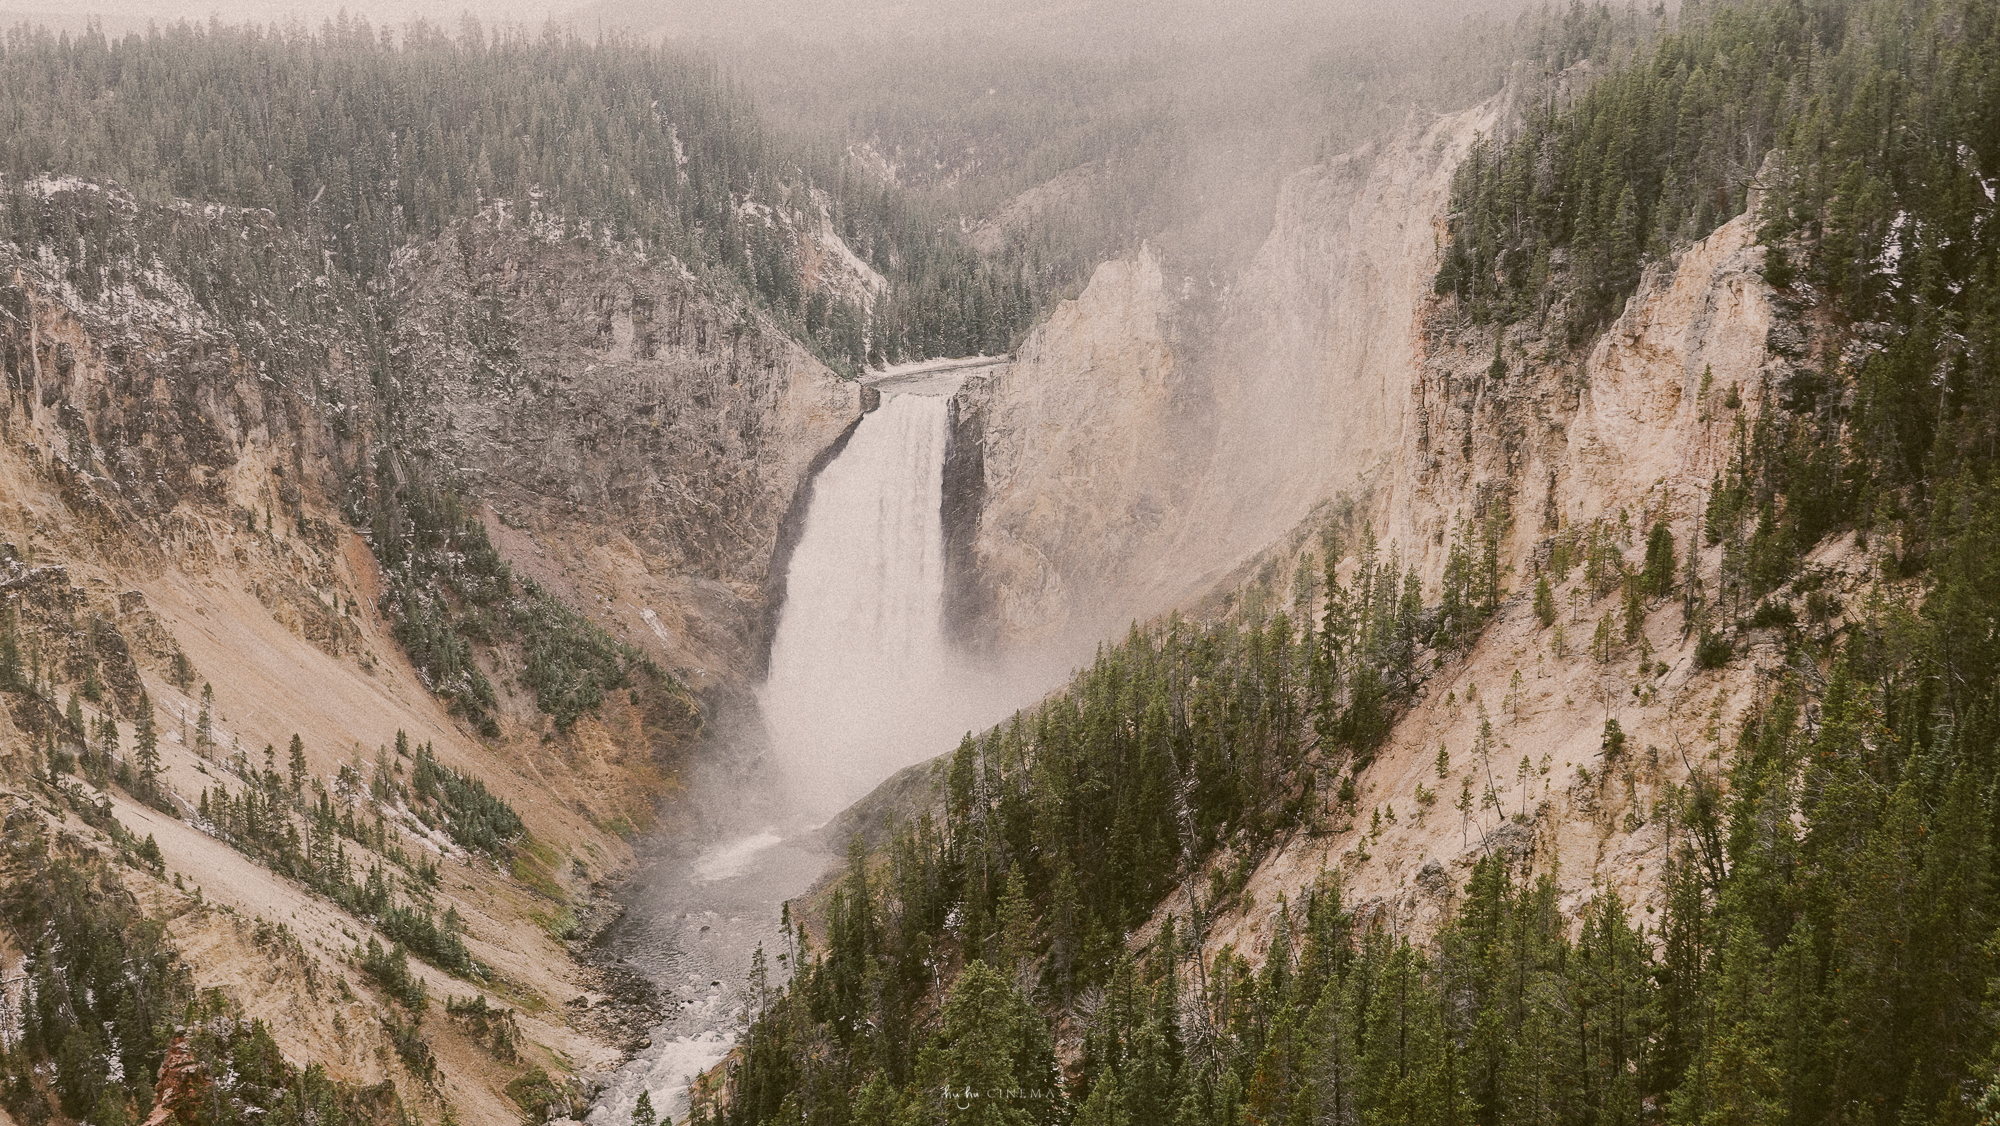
pixel 1066 23
pixel 122 15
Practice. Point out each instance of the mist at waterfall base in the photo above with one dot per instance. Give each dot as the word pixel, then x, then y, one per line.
pixel 862 679
pixel 862 683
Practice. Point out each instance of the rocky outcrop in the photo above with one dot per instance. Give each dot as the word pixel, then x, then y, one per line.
pixel 1628 435
pixel 181 1085
pixel 1638 422
pixel 640 434
pixel 1158 430
pixel 1079 439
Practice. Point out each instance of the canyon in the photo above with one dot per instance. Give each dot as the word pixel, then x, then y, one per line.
pixel 646 446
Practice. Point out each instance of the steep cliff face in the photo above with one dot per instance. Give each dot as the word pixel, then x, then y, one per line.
pixel 1080 437
pixel 1638 421
pixel 1313 363
pixel 1624 438
pixel 1157 431
pixel 637 438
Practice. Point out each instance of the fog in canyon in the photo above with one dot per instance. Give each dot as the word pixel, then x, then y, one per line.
pixel 1163 422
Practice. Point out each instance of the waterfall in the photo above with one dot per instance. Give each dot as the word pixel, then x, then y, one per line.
pixel 859 665
pixel 861 684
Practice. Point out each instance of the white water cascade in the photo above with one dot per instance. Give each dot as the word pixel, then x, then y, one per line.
pixel 862 682
pixel 859 665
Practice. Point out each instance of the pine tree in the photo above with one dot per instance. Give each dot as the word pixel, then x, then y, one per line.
pixel 1016 924
pixel 1407 1070
pixel 1733 1080
pixel 146 748
pixel 1103 1107
pixel 1658 573
pixel 1545 602
pixel 298 768
pixel 204 729
pixel 992 1044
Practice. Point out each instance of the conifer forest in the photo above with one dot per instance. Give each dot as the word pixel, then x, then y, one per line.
pixel 419 444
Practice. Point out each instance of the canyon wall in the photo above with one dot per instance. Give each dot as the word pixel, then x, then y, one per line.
pixel 637 436
pixel 182 477
pixel 1625 436
pixel 1155 446
pixel 1157 431
pixel 1081 442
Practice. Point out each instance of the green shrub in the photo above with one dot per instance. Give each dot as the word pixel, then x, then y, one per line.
pixel 473 817
pixel 391 970
pixel 1713 650
pixel 1771 613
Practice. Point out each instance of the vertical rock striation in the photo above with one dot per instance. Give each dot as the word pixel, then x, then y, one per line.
pixel 1156 431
